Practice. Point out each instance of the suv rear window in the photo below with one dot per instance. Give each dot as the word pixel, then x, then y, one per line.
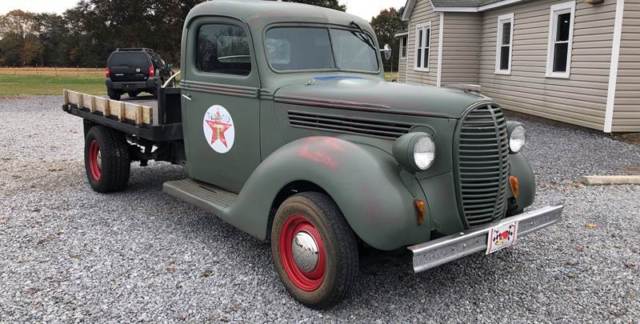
pixel 129 59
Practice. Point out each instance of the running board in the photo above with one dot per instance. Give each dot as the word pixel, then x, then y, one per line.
pixel 209 198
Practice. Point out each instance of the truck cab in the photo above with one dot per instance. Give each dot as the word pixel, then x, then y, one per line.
pixel 291 134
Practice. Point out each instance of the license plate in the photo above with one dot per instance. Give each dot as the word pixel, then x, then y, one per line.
pixel 502 236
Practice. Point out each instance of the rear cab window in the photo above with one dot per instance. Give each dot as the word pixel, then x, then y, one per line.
pixel 223 48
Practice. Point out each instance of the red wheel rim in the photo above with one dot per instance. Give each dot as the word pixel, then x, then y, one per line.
pixel 94 164
pixel 310 280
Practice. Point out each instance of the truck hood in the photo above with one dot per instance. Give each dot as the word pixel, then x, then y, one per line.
pixel 358 93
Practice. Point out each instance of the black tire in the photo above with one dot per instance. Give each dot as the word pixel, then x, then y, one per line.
pixel 114 94
pixel 321 286
pixel 133 94
pixel 107 168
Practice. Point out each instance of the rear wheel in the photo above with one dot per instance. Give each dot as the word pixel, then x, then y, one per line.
pixel 106 160
pixel 114 94
pixel 314 250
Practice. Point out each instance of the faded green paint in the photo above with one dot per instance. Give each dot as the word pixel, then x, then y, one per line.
pixel 375 194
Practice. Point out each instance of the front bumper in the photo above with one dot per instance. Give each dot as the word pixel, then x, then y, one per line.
pixel 446 249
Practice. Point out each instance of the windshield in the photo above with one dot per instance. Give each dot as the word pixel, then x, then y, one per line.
pixel 319 48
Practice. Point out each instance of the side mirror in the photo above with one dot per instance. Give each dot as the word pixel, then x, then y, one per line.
pixel 386 51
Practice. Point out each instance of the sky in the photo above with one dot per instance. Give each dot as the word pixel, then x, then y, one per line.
pixel 363 8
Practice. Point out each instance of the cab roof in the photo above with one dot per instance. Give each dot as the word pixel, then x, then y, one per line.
pixel 260 13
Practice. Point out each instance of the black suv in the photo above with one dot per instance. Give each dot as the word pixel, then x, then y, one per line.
pixel 134 70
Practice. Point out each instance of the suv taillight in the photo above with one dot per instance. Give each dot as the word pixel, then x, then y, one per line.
pixel 152 71
pixel 107 72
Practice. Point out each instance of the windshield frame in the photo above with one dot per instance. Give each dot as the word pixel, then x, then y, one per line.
pixel 328 27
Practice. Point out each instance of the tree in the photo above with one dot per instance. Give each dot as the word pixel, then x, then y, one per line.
pixel 386 25
pixel 333 4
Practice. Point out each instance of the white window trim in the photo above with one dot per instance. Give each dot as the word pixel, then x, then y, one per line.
pixel 416 65
pixel 557 10
pixel 404 54
pixel 508 18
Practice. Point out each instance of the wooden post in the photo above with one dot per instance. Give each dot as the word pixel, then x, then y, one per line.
pixel 92 106
pixel 122 111
pixel 65 94
pixel 139 115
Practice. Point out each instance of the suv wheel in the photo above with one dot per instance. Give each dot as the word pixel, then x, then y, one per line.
pixel 114 94
pixel 106 160
pixel 314 250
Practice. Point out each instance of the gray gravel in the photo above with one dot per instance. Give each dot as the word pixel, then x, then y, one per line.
pixel 69 254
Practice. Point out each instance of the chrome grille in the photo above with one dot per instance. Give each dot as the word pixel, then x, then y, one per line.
pixel 482 164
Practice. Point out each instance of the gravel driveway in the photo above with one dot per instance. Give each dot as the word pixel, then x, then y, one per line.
pixel 69 254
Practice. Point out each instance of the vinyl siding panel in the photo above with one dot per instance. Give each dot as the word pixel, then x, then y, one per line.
pixel 581 99
pixel 402 70
pixel 461 48
pixel 423 13
pixel 626 113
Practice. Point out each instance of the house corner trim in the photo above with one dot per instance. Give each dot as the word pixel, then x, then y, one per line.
pixel 613 68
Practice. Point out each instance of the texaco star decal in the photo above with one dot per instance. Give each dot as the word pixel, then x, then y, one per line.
pixel 218 128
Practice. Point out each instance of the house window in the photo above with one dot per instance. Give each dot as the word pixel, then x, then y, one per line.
pixel 403 47
pixel 504 44
pixel 560 40
pixel 423 45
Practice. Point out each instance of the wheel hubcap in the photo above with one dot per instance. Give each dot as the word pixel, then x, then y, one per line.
pixel 305 251
pixel 95 161
pixel 302 253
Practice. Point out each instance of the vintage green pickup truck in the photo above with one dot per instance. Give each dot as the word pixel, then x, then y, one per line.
pixel 287 130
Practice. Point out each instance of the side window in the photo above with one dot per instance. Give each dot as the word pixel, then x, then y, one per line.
pixel 223 48
pixel 403 47
pixel 560 40
pixel 423 46
pixel 504 41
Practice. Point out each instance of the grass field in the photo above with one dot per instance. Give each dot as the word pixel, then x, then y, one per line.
pixel 16 82
pixel 390 76
pixel 50 81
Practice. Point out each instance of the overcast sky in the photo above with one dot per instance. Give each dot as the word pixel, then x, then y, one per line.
pixel 363 8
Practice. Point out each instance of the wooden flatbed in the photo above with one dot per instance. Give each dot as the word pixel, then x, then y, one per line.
pixel 156 121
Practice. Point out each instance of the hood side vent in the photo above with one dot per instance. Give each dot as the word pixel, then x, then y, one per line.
pixel 349 125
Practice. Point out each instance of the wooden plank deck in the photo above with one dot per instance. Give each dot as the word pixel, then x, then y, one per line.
pixel 139 111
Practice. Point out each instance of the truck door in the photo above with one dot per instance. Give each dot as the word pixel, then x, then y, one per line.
pixel 220 106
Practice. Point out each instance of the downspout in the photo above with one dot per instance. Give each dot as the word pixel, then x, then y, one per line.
pixel 440 46
pixel 613 68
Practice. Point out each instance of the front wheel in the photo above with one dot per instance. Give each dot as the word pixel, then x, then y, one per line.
pixel 106 160
pixel 314 250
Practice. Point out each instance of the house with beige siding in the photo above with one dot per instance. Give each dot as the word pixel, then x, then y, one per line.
pixel 575 61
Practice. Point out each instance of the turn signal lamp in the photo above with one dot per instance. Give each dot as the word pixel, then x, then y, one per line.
pixel 514 182
pixel 421 210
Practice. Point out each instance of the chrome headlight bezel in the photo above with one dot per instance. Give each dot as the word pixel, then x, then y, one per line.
pixel 415 151
pixel 517 136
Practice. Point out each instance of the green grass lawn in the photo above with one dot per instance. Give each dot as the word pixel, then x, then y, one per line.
pixel 32 85
pixel 390 76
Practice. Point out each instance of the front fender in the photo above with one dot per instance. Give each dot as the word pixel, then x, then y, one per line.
pixel 521 168
pixel 363 180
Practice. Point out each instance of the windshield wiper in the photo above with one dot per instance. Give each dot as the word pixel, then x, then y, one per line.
pixel 362 35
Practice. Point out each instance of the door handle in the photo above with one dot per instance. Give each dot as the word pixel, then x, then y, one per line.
pixel 186 96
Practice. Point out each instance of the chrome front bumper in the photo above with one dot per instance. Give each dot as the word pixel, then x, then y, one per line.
pixel 446 249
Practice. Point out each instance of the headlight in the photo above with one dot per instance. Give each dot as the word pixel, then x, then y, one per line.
pixel 415 151
pixel 517 136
